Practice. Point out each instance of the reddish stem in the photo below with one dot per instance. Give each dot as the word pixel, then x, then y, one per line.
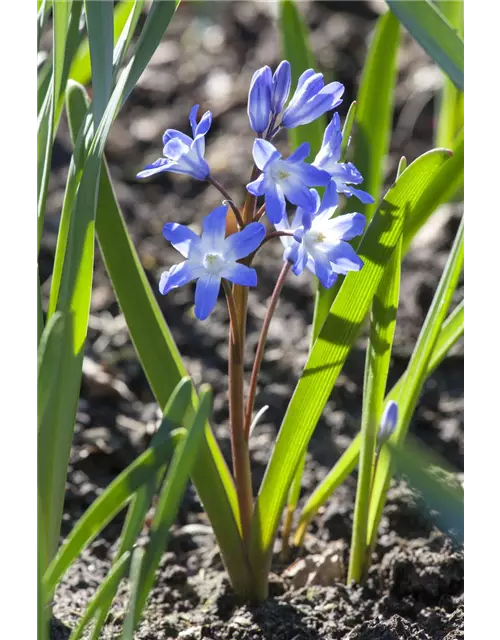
pixel 262 342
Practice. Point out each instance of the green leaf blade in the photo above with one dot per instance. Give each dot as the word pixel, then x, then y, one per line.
pixel 413 381
pixel 296 49
pixel 100 34
pixel 378 358
pixel 451 331
pixel 427 25
pixel 372 131
pixel 330 350
pixel 185 457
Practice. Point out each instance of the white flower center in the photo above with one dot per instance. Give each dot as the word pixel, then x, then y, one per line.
pixel 280 171
pixel 213 263
pixel 313 238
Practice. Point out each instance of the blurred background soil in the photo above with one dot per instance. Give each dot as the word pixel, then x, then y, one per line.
pixel 208 57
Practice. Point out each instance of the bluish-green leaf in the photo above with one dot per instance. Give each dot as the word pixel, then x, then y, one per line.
pixel 163 365
pixel 451 331
pixel 99 606
pixel 329 353
pixel 378 359
pixel 100 34
pixel 416 373
pixel 185 458
pixel 427 25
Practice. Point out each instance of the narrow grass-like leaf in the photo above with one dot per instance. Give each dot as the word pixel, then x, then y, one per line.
pixel 450 117
pixel 440 491
pixel 329 353
pixel 185 457
pixel 135 520
pixel 378 358
pixel 100 34
pixel 39 319
pixel 41 563
pixel 372 133
pixel 101 602
pixel 49 352
pixel 443 187
pixel 66 17
pixel 105 508
pixel 135 589
pixel 296 49
pixel 415 377
pixel 76 280
pixel 174 413
pixel 374 112
pixel 451 331
pixel 76 109
pixel 54 344
pixel 163 365
pixel 80 69
pixel 427 25
pixel 43 9
pixel 125 23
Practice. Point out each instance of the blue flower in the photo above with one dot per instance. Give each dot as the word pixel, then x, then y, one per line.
pixel 282 79
pixel 267 95
pixel 259 99
pixel 311 99
pixel 182 153
pixel 319 241
pixel 290 178
pixel 211 257
pixel 343 174
pixel 388 422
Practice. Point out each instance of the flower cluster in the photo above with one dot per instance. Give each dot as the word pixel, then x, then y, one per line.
pixel 315 239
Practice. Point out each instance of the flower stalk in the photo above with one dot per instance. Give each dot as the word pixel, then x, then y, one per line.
pixel 273 302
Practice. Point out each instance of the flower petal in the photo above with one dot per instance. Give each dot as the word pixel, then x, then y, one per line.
pixel 303 217
pixel 291 249
pixel 175 149
pixel 344 258
pixel 298 193
pixel 304 77
pixel 314 177
pixel 300 260
pixel 182 238
pixel 256 187
pixel 240 274
pixel 332 142
pixel 214 230
pixel 264 153
pixel 192 118
pixel 179 275
pixel 300 153
pixel 259 99
pixel 275 202
pixel 361 195
pixel 348 226
pixel 205 296
pixel 173 134
pixel 283 225
pixel 323 270
pixel 241 244
pixel 282 79
pixel 203 125
pixel 335 90
pixel 160 165
pixel 329 202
